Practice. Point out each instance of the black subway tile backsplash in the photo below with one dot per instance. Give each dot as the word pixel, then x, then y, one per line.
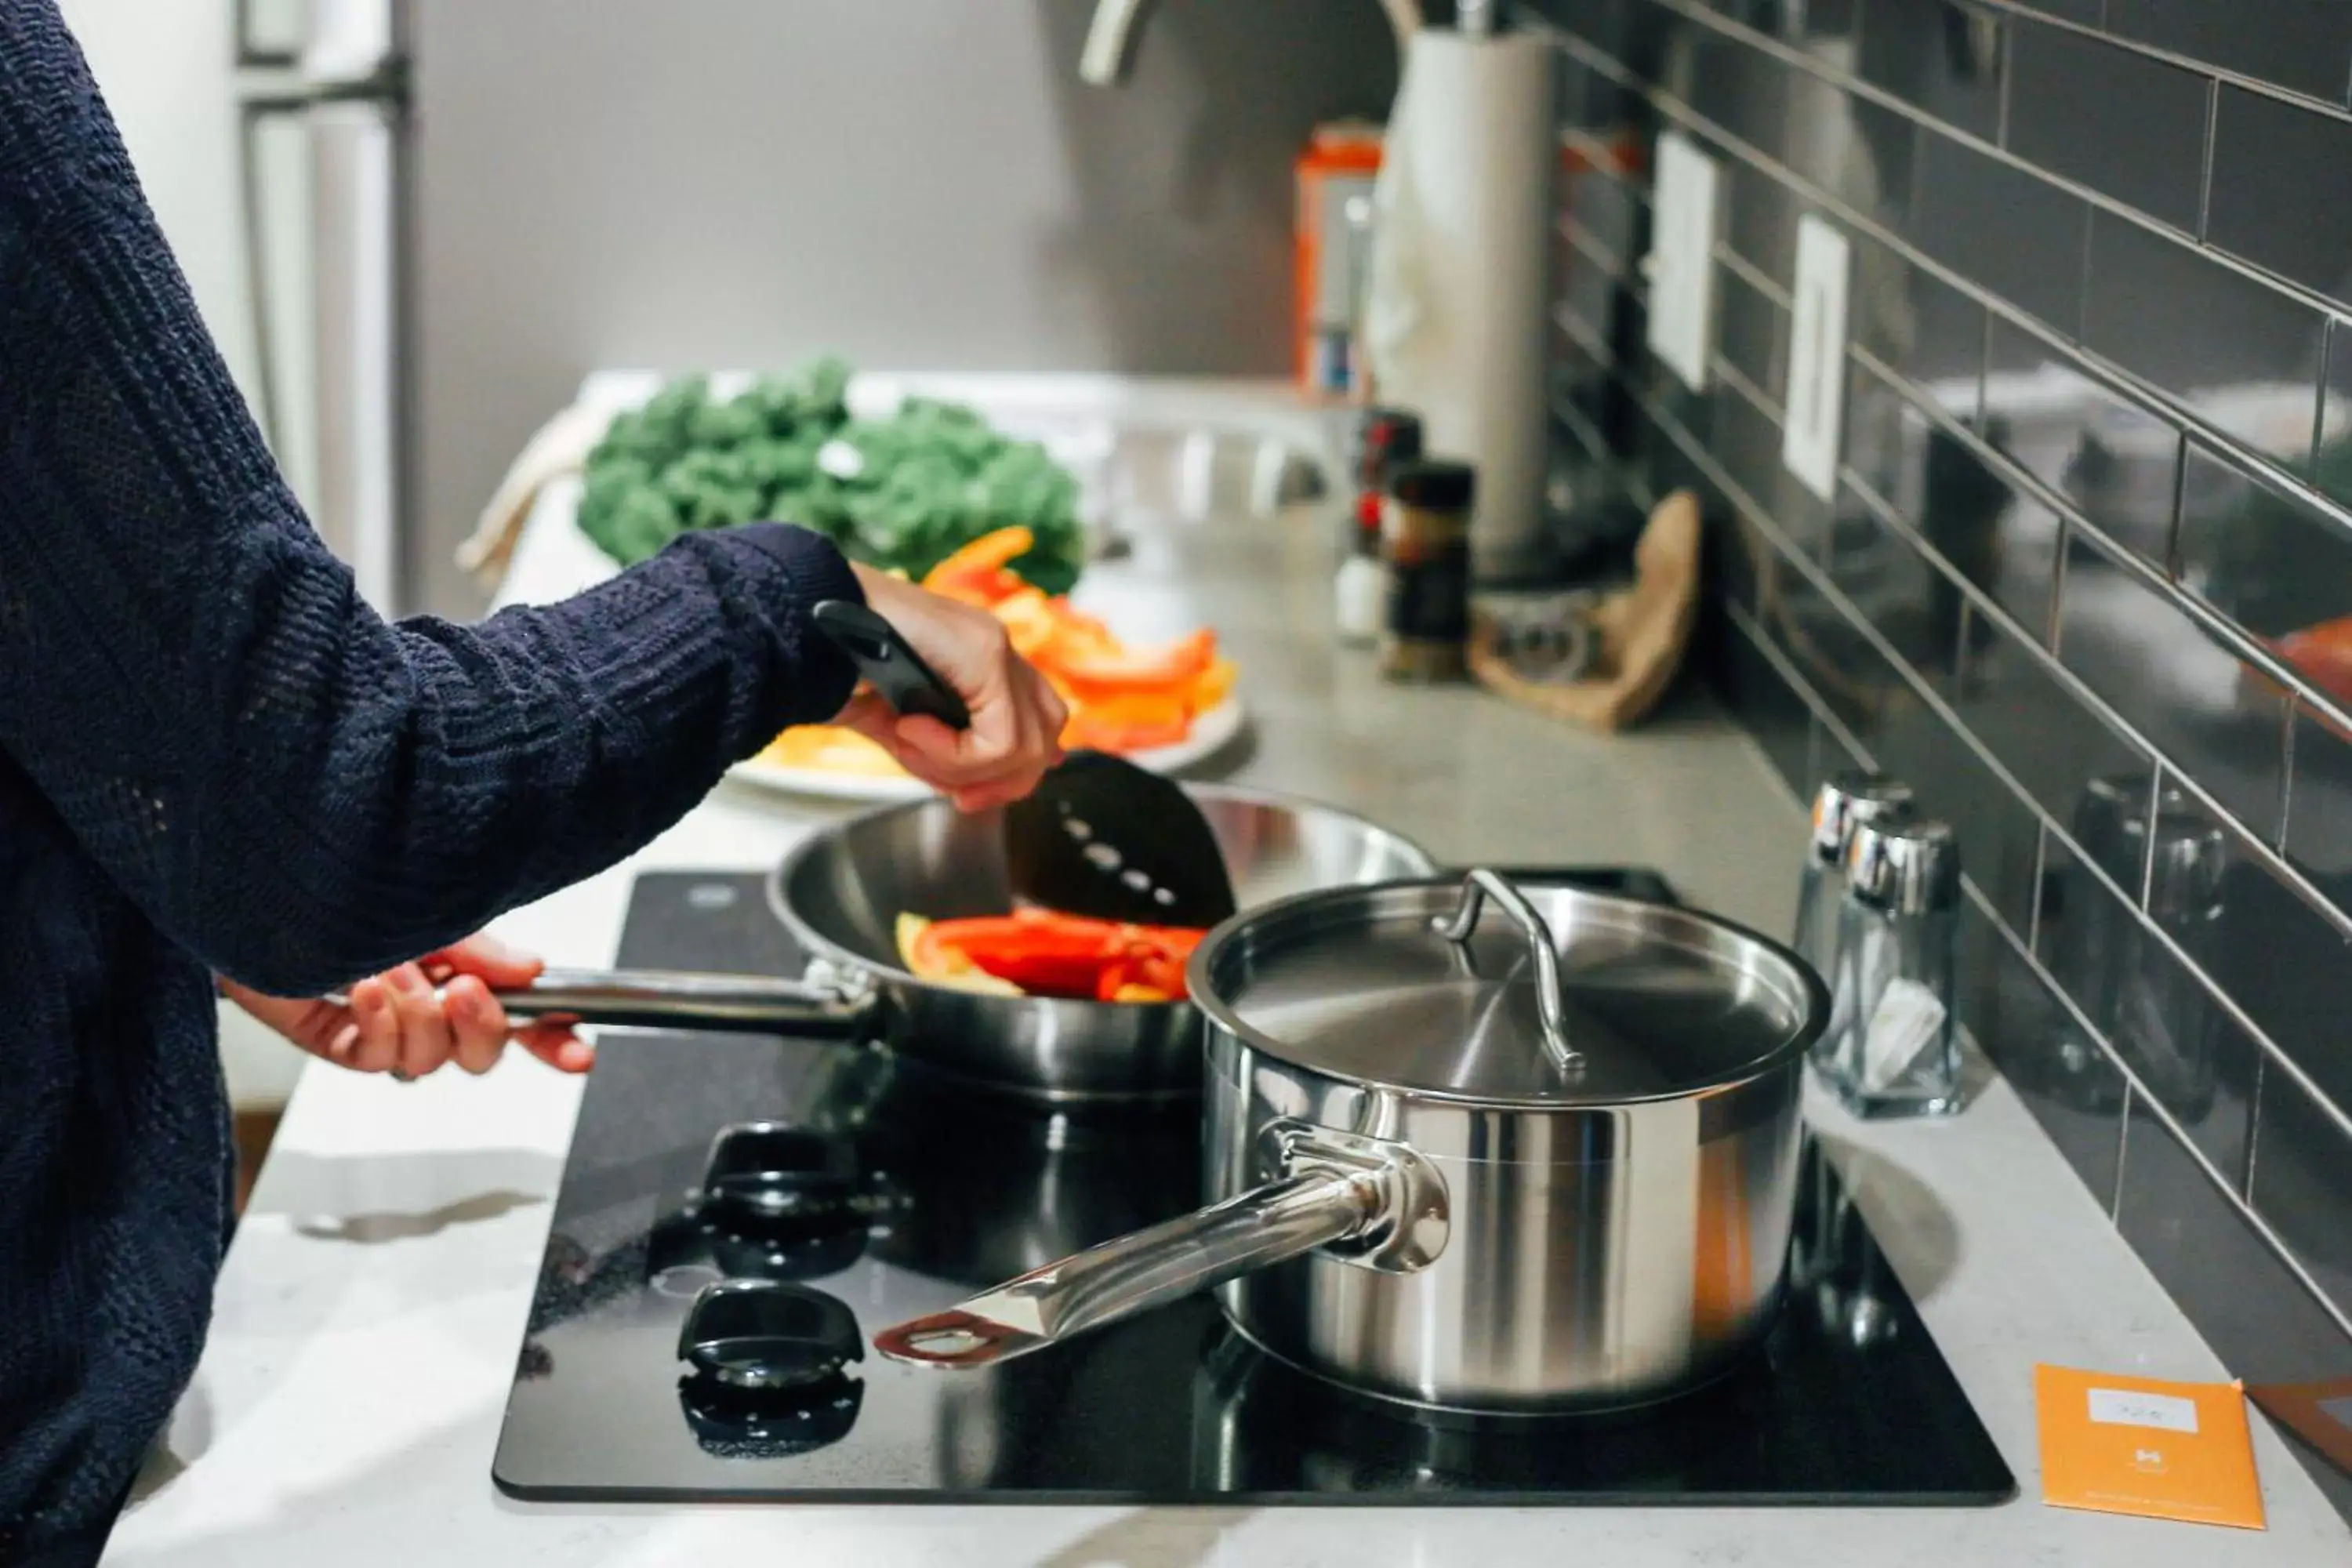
pixel 2319 804
pixel 2266 155
pixel 2072 1086
pixel 2169 679
pixel 2306 45
pixel 2014 700
pixel 2077 527
pixel 1942 56
pixel 2331 467
pixel 2000 227
pixel 1754 332
pixel 1769 707
pixel 2302 1155
pixel 1760 222
pixel 2289 967
pixel 2114 459
pixel 2270 561
pixel 2124 124
pixel 2212 336
pixel 2237 1291
pixel 2087 11
pixel 2155 1012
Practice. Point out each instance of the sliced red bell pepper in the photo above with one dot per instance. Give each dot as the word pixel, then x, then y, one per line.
pixel 1050 954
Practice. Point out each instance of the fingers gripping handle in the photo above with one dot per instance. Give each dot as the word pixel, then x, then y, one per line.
pixel 891 663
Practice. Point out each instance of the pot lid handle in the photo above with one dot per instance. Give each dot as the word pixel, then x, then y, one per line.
pixel 1476 888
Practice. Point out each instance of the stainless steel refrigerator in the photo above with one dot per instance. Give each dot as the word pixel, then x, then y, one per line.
pixel 323 99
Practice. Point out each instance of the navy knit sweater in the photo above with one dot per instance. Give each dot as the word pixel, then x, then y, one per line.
pixel 216 759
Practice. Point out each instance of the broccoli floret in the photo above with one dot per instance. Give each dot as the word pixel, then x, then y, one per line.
pixel 928 479
pixel 725 425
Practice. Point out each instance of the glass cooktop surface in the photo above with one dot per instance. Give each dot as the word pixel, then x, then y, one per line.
pixel 842 1192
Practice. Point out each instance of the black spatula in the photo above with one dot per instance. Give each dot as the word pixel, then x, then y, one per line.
pixel 1099 837
pixel 1106 838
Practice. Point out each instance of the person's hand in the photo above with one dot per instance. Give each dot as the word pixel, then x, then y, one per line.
pixel 1017 717
pixel 396 1022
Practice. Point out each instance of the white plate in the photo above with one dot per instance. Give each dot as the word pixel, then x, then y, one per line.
pixel 1212 732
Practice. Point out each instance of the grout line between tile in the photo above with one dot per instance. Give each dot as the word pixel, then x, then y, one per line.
pixel 2137 1093
pixel 2123 1152
pixel 2334 329
pixel 2176 507
pixel 2286 769
pixel 1823 715
pixel 2095 367
pixel 2240 643
pixel 1762 522
pixel 2205 176
pixel 1737 379
pixel 1755 277
pixel 2053 625
pixel 2254 1125
pixel 2040 872
pixel 1854 85
pixel 2237 78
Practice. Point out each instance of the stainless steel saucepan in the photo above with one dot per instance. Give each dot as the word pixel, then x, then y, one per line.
pixel 840 894
pixel 1519 1165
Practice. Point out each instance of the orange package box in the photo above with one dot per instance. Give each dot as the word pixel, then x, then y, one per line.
pixel 2140 1446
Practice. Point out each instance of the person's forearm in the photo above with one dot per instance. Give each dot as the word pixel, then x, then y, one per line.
pixel 294 790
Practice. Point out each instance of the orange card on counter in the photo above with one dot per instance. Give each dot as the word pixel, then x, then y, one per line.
pixel 2136 1445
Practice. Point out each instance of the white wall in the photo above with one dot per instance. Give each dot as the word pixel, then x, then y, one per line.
pixel 165 69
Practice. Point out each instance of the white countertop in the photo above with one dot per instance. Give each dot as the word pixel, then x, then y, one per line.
pixel 349 1404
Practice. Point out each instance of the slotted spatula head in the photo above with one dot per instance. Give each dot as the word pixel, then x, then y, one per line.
pixel 1105 839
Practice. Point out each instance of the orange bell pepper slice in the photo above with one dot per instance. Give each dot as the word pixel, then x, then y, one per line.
pixel 1138 722
pixel 976 573
pixel 1176 665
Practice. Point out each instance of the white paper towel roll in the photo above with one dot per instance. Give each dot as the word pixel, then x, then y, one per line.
pixel 1457 320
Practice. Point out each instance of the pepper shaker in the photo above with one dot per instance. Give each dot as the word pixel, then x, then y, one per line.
pixel 1897 932
pixel 1844 802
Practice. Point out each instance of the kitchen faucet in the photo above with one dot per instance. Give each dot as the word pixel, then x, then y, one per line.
pixel 1109 57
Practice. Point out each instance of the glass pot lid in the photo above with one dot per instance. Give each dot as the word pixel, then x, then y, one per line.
pixel 1481 989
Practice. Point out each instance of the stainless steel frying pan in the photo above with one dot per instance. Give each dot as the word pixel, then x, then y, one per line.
pixel 840 894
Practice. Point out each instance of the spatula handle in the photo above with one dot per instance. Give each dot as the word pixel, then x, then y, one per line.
pixel 890 662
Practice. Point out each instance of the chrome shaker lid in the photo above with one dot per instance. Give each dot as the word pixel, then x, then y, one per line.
pixel 1904 868
pixel 1847 800
pixel 1479 988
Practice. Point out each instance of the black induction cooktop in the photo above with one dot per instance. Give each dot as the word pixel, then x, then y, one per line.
pixel 738 1214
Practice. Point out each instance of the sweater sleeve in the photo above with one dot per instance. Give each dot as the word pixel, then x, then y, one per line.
pixel 291 788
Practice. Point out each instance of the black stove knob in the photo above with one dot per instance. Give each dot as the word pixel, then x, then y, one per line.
pixel 729 1424
pixel 767 1336
pixel 785 1181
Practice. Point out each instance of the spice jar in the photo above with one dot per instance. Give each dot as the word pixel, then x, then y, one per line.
pixel 1384 439
pixel 1425 544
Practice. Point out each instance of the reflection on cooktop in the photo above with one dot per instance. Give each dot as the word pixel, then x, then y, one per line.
pixel 735 1209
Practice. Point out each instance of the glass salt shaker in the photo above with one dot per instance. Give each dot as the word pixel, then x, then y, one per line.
pixel 1845 801
pixel 1901 1055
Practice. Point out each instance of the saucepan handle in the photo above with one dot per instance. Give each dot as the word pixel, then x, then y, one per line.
pixel 1372 1203
pixel 1479 885
pixel 823 1006
pixel 1149 1268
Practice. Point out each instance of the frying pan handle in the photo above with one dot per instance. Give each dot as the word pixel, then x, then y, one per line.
pixel 1376 1205
pixel 820 1006
pixel 1476 888
pixel 890 662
